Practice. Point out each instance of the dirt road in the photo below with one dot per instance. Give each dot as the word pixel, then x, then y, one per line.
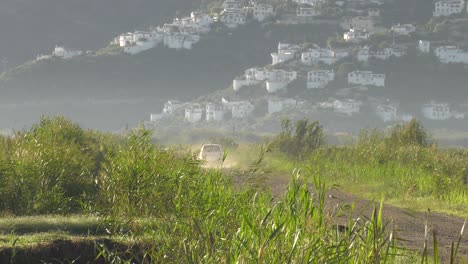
pixel 409 225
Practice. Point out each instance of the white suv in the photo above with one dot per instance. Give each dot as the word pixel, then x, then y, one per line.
pixel 211 154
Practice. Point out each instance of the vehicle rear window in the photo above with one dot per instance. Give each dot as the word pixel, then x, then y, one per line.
pixel 211 149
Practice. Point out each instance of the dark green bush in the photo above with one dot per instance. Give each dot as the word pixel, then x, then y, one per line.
pixel 298 140
pixel 49 168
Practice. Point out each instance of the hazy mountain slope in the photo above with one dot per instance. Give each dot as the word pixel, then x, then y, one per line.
pixel 29 27
pixel 161 72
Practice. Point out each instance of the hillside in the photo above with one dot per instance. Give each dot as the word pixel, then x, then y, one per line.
pixel 156 75
pixel 29 27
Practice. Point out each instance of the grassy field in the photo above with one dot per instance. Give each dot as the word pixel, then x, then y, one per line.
pixel 59 182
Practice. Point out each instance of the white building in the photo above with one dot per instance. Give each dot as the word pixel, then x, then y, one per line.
pixel 234 18
pixel 285 53
pixel 239 109
pixel 424 46
pixel 193 113
pixel 276 105
pixel 63 53
pixel 201 19
pixel 366 78
pixel 279 80
pixel 448 8
pixel 263 11
pixel 451 54
pixel 307 11
pixel 364 54
pixel 233 5
pixel 348 106
pixel 180 41
pixel 42 57
pixel 317 55
pixel 138 41
pixel 404 29
pixel 387 113
pixel 171 107
pixel 214 113
pixel 355 35
pixel 319 78
pixel 252 76
pixel 436 111
pixel 308 2
pixel 359 22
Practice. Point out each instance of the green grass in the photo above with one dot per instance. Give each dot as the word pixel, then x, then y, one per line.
pixel 188 214
pixel 412 185
pixel 72 225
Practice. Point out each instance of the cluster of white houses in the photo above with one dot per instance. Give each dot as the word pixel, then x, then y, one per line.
pixel 210 112
pixel 320 55
pixel 60 52
pixel 278 79
pixel 239 110
pixel 182 33
pixel 275 79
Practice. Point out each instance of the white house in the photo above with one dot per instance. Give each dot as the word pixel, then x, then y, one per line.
pixel 317 55
pixel 387 113
pixel 424 46
pixel 214 113
pixel 126 39
pixel 451 54
pixel 348 106
pixel 319 78
pixel 448 8
pixel 174 41
pixel 197 23
pixel 180 41
pixel 308 2
pixel 263 11
pixel 366 78
pixel 279 104
pixel 355 35
pixel 285 53
pixel 279 80
pixel 364 54
pixel 234 18
pixel 233 5
pixel 359 22
pixel 193 113
pixel 239 109
pixel 171 107
pixel 63 53
pixel 436 111
pixel 42 57
pixel 138 41
pixel 404 29
pixel 202 19
pixel 307 11
pixel 251 77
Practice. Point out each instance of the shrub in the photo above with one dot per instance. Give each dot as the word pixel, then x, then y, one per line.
pixel 49 168
pixel 299 140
